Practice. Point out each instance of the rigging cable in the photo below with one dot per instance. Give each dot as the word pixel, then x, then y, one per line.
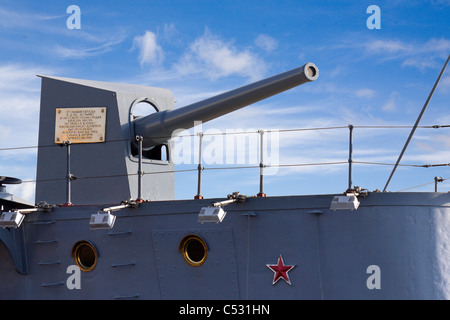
pixel 416 124
pixel 252 132
pixel 257 166
pixel 421 185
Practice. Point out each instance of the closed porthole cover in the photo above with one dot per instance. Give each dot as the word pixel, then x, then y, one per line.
pixel 85 255
pixel 194 250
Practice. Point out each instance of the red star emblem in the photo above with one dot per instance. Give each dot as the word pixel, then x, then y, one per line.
pixel 280 270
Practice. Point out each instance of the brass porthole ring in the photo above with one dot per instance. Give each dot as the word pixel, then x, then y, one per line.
pixel 85 255
pixel 194 250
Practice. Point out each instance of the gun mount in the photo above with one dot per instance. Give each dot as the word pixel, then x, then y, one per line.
pixel 159 127
pixel 99 121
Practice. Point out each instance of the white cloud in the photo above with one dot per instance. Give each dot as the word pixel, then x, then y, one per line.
pixel 19 89
pixel 19 106
pixel 85 44
pixel 149 50
pixel 391 46
pixel 210 55
pixel 25 190
pixel 170 33
pixel 11 19
pixel 365 93
pixel 5 132
pixel 444 85
pixel 428 54
pixel 440 2
pixel 21 78
pixel 337 71
pixel 439 45
pixel 421 63
pixel 80 53
pixel 390 105
pixel 19 111
pixel 68 44
pixel 266 42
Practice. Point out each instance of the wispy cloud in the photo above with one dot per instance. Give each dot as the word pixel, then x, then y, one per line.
pixel 88 44
pixel 390 105
pixel 206 57
pixel 11 19
pixel 212 56
pixel 19 113
pixel 150 52
pixel 421 55
pixel 266 42
pixel 20 78
pixel 390 46
pixel 365 93
pixel 66 44
pixel 440 2
pixel 25 190
pixel 445 84
pixel 19 89
pixel 86 51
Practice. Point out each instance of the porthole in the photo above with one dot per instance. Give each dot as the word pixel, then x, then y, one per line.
pixel 85 255
pixel 194 250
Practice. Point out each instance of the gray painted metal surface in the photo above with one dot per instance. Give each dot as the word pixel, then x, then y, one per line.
pixel 113 159
pixel 404 234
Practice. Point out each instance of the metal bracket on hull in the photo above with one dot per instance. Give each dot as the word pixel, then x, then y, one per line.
pixel 215 212
pixel 14 241
pixel 347 202
pixel 105 220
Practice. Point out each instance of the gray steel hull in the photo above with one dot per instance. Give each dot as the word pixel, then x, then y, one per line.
pixel 405 235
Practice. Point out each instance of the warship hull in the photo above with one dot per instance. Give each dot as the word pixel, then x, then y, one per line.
pixel 393 246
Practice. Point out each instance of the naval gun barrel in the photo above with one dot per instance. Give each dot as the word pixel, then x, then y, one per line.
pixel 159 127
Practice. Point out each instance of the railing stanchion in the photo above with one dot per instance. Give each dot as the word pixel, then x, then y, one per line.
pixel 261 193
pixel 199 167
pixel 350 157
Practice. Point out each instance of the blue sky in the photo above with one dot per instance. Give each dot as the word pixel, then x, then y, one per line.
pixel 201 48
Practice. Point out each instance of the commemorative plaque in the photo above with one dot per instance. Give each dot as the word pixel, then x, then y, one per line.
pixel 80 125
